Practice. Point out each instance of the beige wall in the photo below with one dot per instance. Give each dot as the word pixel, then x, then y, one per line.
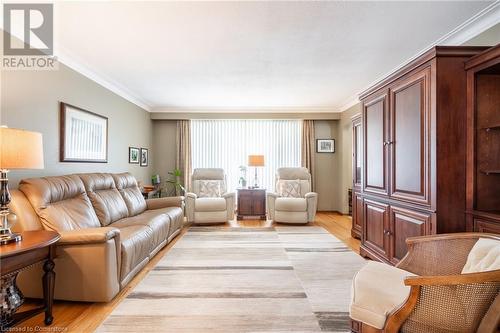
pixel 327 167
pixel 164 148
pixel 327 171
pixel 30 100
pixel 345 128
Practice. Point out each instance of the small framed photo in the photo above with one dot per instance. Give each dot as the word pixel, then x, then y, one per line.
pixel 133 155
pixel 144 157
pixel 325 145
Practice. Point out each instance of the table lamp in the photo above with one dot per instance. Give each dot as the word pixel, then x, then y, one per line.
pixel 256 161
pixel 19 149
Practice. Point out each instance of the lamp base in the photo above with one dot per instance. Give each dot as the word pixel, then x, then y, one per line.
pixel 8 238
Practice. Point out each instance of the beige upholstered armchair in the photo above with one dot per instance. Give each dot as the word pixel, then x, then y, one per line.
pixel 293 201
pixel 209 201
pixel 446 283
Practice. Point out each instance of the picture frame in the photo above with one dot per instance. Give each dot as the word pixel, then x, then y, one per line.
pixel 134 155
pixel 83 135
pixel 325 146
pixel 144 157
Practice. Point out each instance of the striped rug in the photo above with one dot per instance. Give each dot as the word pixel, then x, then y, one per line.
pixel 214 279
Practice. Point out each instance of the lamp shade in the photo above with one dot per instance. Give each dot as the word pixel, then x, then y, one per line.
pixel 255 160
pixel 20 149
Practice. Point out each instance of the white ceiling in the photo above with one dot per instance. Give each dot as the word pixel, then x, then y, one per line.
pixel 259 56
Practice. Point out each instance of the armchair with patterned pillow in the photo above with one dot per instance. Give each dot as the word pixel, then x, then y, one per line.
pixel 209 202
pixel 293 202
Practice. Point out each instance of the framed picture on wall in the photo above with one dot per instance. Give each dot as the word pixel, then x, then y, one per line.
pixel 83 135
pixel 133 155
pixel 144 157
pixel 325 145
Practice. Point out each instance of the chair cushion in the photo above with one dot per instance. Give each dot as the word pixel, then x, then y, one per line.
pixel 106 200
pixel 291 204
pixel 377 290
pixel 210 188
pixel 130 192
pixel 289 188
pixel 210 204
pixel 484 256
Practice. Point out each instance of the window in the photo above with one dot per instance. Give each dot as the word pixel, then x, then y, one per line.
pixel 227 143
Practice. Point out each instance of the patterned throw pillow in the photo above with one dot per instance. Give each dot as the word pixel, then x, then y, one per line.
pixel 209 189
pixel 289 188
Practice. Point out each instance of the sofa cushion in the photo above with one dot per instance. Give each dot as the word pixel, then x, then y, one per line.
pixel 156 219
pixel 60 202
pixel 484 256
pixel 176 215
pixel 130 192
pixel 210 204
pixel 136 245
pixel 105 198
pixel 291 204
pixel 372 302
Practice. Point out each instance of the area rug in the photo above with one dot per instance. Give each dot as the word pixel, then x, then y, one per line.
pixel 215 279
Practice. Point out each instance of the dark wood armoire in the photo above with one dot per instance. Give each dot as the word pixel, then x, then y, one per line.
pixel 413 170
pixel 483 141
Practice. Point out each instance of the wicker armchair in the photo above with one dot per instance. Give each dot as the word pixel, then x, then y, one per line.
pixel 441 299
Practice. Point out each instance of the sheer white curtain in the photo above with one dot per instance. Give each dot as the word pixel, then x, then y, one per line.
pixel 227 143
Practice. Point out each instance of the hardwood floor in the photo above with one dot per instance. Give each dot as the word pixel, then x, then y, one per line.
pixel 86 317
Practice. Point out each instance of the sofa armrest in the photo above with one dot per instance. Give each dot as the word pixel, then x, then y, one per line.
pixel 91 258
pixel 89 236
pixel 230 203
pixel 190 203
pixel 270 204
pixel 158 203
pixel 312 205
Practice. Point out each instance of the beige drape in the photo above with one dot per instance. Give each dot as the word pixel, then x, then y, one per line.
pixel 183 146
pixel 308 148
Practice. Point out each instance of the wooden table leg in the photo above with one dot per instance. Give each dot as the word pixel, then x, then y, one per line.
pixel 49 279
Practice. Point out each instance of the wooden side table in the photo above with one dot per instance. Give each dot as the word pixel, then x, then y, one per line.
pixel 35 247
pixel 251 202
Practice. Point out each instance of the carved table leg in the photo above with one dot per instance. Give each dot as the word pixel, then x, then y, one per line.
pixel 49 279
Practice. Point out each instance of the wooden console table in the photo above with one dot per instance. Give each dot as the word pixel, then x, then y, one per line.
pixel 251 202
pixel 35 247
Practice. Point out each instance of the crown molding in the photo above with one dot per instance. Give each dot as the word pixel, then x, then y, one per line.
pixel 350 103
pixel 239 115
pixel 236 110
pixel 475 25
pixel 65 58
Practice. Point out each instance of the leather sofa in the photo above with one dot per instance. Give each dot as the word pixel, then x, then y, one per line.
pixel 288 209
pixel 108 231
pixel 218 208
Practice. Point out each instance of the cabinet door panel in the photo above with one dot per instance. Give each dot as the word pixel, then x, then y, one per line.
pixel 244 203
pixel 375 134
pixel 259 203
pixel 357 214
pixel 357 157
pixel 406 223
pixel 376 226
pixel 409 142
pixel 486 226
